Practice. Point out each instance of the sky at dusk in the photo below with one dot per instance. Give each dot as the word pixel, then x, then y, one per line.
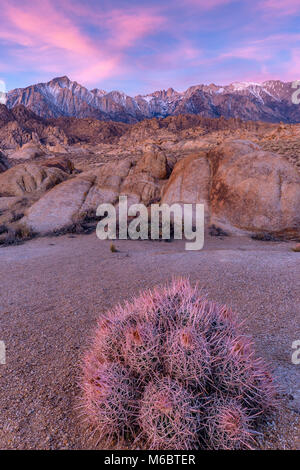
pixel 142 46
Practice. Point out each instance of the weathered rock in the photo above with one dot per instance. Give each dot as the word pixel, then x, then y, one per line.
pixel 189 182
pixel 141 187
pixel 57 209
pixel 28 178
pixel 62 163
pixel 72 199
pixel 57 148
pixel 107 181
pixel 28 151
pixel 153 162
pixel 7 203
pixel 254 190
pixel 241 186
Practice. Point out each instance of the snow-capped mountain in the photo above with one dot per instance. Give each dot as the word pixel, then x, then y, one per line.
pixel 268 101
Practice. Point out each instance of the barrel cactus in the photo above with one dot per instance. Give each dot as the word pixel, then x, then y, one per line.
pixel 171 370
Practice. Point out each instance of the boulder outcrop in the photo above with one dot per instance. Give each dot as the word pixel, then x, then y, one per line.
pixel 28 151
pixel 58 207
pixel 254 190
pixel 189 182
pixel 28 178
pixel 242 187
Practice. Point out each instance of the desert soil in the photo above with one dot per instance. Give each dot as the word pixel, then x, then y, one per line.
pixel 53 289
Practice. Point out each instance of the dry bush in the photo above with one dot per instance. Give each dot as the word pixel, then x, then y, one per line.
pixel 113 248
pixel 15 234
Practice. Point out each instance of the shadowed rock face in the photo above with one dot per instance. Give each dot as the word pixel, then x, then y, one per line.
pixel 270 101
pixel 4 165
pixel 20 126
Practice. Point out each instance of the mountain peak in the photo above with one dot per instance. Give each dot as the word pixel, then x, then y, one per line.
pixel 63 79
pixel 269 101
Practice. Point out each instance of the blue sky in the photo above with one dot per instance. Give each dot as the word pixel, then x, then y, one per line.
pixel 142 46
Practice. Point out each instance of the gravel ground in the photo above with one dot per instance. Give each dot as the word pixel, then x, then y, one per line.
pixel 53 289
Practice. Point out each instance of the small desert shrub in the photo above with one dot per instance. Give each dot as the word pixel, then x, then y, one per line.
pixel 15 234
pixel 3 229
pixel 171 370
pixel 82 223
pixel 215 231
pixel 113 248
pixel 265 237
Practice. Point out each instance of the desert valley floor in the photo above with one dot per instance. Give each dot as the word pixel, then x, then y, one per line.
pixel 54 288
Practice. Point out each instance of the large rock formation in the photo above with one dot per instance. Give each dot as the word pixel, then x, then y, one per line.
pixel 154 162
pixel 254 190
pixel 244 188
pixel 75 198
pixel 241 186
pixel 20 126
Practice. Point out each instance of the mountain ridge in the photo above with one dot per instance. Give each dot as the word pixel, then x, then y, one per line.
pixel 270 101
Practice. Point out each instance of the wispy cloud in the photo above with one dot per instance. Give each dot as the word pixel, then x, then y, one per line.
pixel 49 38
pixel 133 44
pixel 206 5
pixel 279 7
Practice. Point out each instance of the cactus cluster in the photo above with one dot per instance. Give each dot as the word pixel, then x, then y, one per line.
pixel 171 370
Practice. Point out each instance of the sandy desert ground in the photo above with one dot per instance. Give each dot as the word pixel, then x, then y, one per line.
pixel 53 289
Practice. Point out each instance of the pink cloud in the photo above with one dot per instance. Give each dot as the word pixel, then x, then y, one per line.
pixel 54 41
pixel 280 7
pixel 207 4
pixel 128 28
